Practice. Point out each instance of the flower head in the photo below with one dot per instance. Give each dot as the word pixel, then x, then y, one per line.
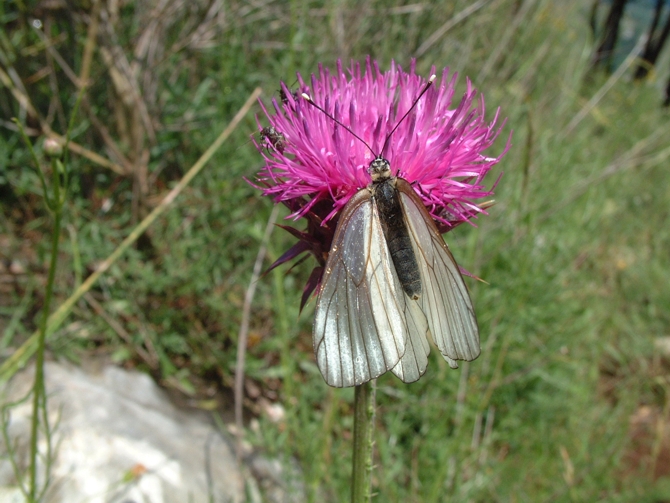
pixel 314 165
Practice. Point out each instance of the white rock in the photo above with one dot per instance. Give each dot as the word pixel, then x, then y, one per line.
pixel 117 439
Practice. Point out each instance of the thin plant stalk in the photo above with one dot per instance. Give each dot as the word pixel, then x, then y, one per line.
pixel 364 418
pixel 39 396
pixel 55 203
pixel 243 334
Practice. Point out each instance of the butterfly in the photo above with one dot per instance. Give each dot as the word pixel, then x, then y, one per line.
pixel 389 283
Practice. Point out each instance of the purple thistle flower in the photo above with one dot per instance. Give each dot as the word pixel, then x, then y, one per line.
pixel 319 165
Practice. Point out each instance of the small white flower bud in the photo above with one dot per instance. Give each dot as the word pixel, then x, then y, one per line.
pixel 52 148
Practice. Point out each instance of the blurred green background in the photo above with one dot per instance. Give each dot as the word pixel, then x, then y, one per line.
pixel 569 399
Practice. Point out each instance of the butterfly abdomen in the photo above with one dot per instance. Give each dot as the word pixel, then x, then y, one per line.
pixel 392 217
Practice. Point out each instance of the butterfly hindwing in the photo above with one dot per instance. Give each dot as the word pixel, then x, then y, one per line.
pixel 413 363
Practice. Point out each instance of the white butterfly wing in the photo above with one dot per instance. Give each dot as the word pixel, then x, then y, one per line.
pixel 444 297
pixel 413 363
pixel 360 325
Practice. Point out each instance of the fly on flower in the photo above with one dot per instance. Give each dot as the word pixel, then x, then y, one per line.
pixel 388 281
pixel 273 138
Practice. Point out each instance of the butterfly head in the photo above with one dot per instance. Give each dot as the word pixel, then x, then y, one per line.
pixel 379 169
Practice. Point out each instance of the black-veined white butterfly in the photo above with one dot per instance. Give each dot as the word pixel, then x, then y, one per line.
pixel 390 283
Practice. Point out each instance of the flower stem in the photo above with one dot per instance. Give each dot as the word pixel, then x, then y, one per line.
pixel 364 417
pixel 39 397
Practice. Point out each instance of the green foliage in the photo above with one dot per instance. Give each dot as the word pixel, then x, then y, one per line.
pixel 575 250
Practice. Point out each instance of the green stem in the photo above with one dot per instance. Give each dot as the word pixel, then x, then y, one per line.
pixel 39 397
pixel 364 417
pixel 60 186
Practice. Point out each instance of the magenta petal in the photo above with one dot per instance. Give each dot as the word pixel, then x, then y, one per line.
pixel 439 148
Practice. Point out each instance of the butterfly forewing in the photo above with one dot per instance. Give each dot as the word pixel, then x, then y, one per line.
pixel 444 298
pixel 360 325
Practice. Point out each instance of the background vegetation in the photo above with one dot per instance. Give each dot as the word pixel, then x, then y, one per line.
pixel 569 400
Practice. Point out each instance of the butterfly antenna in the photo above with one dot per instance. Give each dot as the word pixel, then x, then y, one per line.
pixel 430 83
pixel 311 102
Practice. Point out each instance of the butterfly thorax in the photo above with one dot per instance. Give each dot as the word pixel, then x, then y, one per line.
pixel 392 216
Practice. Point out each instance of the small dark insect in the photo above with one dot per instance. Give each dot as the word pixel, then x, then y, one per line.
pixel 273 138
pixel 284 98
